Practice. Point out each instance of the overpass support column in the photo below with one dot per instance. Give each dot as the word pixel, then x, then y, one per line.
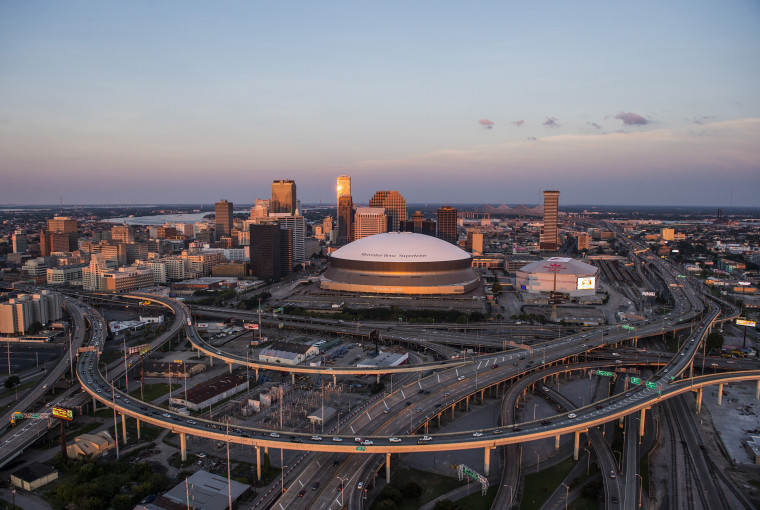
pixel 556 442
pixel 266 450
pixel 388 467
pixel 699 400
pixel 230 367
pixel 183 446
pixel 691 368
pixel 482 394
pixel 642 420
pixel 757 390
pixel 378 378
pixel 426 426
pixel 94 405
pixel 452 410
pixel 487 460
pixel 335 380
pixel 124 428
pixel 212 361
pixel 720 394
pixel 467 403
pixel 292 377
pixel 439 420
pixel 576 444
pixel 138 430
pixel 256 370
pixel 258 463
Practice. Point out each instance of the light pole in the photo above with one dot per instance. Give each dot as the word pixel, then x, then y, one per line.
pixel 123 346
pixel 410 422
pixel 538 462
pixel 115 426
pixel 567 493
pixel 338 432
pixel 620 461
pixel 510 494
pixel 342 481
pixel 641 488
pixel 534 411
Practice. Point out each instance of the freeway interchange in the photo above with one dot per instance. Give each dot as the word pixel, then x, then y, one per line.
pixel 392 423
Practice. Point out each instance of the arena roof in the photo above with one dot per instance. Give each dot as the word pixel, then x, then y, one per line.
pixel 400 247
pixel 566 266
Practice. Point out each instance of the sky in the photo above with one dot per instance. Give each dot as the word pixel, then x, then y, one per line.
pixel 629 103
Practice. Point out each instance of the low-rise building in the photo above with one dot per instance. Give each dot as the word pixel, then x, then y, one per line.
pixel 215 390
pixel 90 445
pixel 288 353
pixel 33 476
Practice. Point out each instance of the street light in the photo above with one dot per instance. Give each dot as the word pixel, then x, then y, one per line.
pixel 538 462
pixel 342 481
pixel 510 494
pixel 620 461
pixel 567 493
pixel 641 487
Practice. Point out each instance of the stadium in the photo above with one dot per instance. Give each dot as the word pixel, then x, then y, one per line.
pixel 400 263
pixel 574 278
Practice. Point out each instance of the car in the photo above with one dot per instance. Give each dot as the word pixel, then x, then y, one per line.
pixel 516 429
pixel 358 440
pixel 49 404
pixel 386 411
pixel 427 392
pixel 460 378
pixel 419 409
pixel 192 422
pixel 427 438
pixel 545 422
pixel 367 442
pixel 616 354
pixel 316 438
pixel 315 486
pixel 497 431
pixel 166 415
pixel 394 439
pixel 44 386
pixel 477 434
pixel 274 434
pixel 407 403
pixel 665 371
pixel 584 345
pixel 683 354
pixel 337 439
pixel 713 364
pixel 301 493
pixel 494 366
pixel 420 392
pixel 360 485
pixel 446 394
pixel 202 455
pixel 339 487
pixel 620 362
pixel 336 462
pixel 296 440
pixel 612 474
pixel 572 415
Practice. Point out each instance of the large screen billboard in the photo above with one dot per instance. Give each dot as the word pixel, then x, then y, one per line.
pixel 745 322
pixel 64 414
pixel 586 282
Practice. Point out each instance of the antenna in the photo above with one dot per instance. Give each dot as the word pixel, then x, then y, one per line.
pixel 61 197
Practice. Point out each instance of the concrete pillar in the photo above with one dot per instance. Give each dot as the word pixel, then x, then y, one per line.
pixel 183 446
pixel 691 368
pixel 335 380
pixel 757 390
pixel 212 361
pixel 138 430
pixel 292 377
pixel 556 442
pixel 387 468
pixel 452 410
pixel 720 394
pixel 266 450
pixel 642 421
pixel 258 463
pixel 124 428
pixel 230 365
pixel 576 444
pixel 482 392
pixel 467 403
pixel 699 400
pixel 487 461
pixel 94 405
pixel 426 426
pixel 257 373
pixel 378 378
pixel 439 420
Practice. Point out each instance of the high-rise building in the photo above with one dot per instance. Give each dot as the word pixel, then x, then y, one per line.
pixel 549 232
pixel 283 197
pixel 345 220
pixel 369 221
pixel 260 209
pixel 18 240
pixel 583 242
pixel 668 234
pixel 344 186
pixel 65 225
pixel 223 218
pixel 270 246
pixel 123 233
pixel 394 205
pixel 418 224
pixel 297 226
pixel 447 224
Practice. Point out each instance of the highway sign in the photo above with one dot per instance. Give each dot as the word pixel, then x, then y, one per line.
pixel 651 385
pixel 64 414
pixel 469 472
pixel 635 380
pixel 626 326
pixel 360 448
pixel 606 374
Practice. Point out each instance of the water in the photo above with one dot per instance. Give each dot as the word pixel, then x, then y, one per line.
pixel 160 219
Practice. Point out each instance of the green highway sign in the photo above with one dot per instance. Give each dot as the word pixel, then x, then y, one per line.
pixel 360 448
pixel 681 276
pixel 651 385
pixel 470 473
pixel 602 372
pixel 626 326
pixel 635 380
pixel 35 416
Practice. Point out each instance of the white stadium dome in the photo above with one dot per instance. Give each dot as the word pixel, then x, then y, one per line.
pixel 573 277
pixel 400 263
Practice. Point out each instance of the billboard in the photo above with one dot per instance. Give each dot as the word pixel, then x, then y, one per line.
pixel 64 414
pixel 745 322
pixel 251 325
pixel 648 294
pixel 139 349
pixel 586 283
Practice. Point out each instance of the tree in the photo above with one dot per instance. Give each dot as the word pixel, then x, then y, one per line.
pixel 34 328
pixel 390 493
pixel 446 504
pixel 12 381
pixel 385 504
pixel 715 341
pixel 496 288
pixel 411 490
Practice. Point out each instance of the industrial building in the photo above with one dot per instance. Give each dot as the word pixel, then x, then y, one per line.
pixel 564 275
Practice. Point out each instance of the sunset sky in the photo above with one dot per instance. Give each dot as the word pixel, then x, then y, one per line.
pixel 645 102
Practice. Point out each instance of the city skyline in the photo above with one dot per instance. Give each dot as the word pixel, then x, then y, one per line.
pixel 613 104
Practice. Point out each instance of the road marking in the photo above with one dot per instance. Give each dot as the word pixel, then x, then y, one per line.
pixel 402 394
pixel 368 416
pixel 299 481
pixel 352 430
pixel 419 383
pixel 386 405
pixel 439 377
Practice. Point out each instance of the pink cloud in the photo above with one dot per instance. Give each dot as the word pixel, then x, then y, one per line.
pixel 487 124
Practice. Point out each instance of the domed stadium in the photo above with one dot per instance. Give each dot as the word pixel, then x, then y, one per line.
pixel 574 278
pixel 400 263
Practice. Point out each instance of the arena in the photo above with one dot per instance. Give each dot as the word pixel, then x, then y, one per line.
pixel 400 263
pixel 574 278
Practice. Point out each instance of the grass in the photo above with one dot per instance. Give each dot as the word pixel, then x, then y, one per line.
pixel 110 357
pixel 539 486
pixel 153 391
pixel 477 502
pixel 433 486
pixel 583 504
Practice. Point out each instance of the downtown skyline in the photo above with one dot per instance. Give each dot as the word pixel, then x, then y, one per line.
pixel 642 104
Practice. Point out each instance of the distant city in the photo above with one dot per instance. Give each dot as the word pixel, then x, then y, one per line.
pixel 366 353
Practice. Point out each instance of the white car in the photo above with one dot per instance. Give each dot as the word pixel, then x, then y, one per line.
pixel 477 434
pixel 572 415
pixel 367 442
pixel 460 378
pixel 394 439
pixel 337 439
pixel 274 434
pixel 316 438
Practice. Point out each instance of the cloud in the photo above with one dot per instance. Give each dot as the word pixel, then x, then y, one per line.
pixel 551 122
pixel 702 119
pixel 594 125
pixel 532 139
pixel 632 119
pixel 487 124
pixel 518 123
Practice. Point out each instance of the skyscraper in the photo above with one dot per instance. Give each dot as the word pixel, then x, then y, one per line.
pixel 345 210
pixel 271 249
pixel 549 232
pixel 223 218
pixel 65 225
pixel 447 224
pixel 18 240
pixel 283 197
pixel 369 221
pixel 395 207
pixel 123 233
